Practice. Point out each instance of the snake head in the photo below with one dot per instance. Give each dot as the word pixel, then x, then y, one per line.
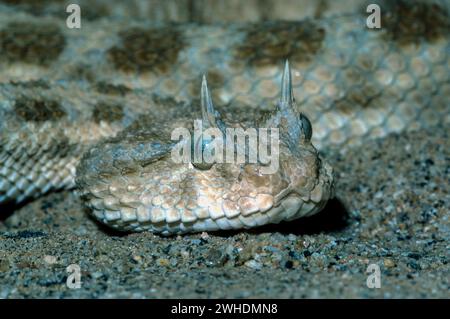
pixel 133 182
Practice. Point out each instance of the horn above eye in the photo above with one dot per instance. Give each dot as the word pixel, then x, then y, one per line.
pixel 287 95
pixel 210 116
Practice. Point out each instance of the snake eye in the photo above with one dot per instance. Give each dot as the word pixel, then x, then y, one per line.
pixel 306 127
pixel 201 147
pixel 202 166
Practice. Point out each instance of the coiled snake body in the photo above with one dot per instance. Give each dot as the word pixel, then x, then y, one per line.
pixel 94 108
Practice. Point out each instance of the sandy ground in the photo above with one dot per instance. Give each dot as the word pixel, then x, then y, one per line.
pixel 391 209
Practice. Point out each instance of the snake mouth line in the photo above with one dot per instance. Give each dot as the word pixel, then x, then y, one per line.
pixel 263 209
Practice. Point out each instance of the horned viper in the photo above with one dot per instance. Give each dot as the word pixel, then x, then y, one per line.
pixel 93 108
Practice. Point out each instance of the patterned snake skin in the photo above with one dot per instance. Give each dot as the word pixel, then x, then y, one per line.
pixel 94 108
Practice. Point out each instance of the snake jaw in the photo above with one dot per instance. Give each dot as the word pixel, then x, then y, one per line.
pixel 309 184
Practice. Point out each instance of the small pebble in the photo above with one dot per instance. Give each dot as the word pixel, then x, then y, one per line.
pixel 164 262
pixel 253 264
pixel 50 260
pixel 389 263
pixel 204 236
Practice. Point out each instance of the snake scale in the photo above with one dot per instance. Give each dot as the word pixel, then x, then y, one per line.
pixel 93 108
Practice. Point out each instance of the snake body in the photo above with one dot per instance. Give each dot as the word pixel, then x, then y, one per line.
pixel 93 109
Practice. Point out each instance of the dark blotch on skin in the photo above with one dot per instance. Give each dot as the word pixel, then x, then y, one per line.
pixel 168 102
pixel 321 9
pixel 35 7
pixel 61 147
pixel 31 84
pixel 107 112
pixel 93 11
pixel 35 43
pixel 81 72
pixel 112 89
pixel 57 8
pixel 31 4
pixel 362 96
pixel 270 42
pixel 147 50
pixel 38 110
pixel 411 21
